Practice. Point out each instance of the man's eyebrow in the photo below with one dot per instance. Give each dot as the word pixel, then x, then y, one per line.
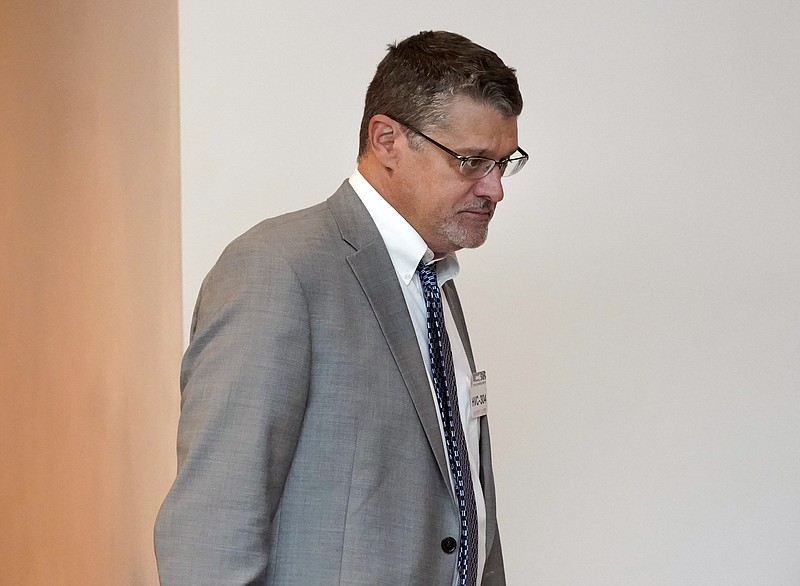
pixel 481 152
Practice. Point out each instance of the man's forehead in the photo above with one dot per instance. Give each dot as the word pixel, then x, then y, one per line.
pixel 481 130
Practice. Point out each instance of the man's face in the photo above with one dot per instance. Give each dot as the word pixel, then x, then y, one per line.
pixel 449 210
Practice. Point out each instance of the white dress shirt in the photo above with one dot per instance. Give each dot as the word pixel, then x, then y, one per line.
pixel 406 248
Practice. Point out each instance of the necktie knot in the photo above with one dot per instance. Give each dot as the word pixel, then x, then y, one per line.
pixel 427 274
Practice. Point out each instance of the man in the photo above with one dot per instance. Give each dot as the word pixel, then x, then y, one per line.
pixel 327 432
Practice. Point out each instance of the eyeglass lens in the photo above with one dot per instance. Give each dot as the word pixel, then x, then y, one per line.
pixel 477 167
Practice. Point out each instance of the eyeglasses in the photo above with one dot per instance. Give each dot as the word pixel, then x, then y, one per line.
pixel 479 167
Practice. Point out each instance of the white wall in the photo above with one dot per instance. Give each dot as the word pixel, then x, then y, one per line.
pixel 637 306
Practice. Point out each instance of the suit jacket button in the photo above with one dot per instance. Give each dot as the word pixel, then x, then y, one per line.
pixel 449 545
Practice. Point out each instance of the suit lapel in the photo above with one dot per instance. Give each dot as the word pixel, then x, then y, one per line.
pixel 453 301
pixel 373 268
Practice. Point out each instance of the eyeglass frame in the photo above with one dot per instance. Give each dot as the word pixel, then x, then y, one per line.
pixel 464 158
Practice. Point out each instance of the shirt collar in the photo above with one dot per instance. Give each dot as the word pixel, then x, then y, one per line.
pixel 405 246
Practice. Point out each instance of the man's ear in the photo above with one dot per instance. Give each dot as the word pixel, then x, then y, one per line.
pixel 385 136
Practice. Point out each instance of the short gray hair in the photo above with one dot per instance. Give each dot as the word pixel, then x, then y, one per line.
pixel 418 79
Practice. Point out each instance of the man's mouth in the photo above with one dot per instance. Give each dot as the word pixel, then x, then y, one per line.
pixel 484 209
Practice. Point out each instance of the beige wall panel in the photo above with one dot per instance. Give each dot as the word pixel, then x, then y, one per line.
pixel 89 286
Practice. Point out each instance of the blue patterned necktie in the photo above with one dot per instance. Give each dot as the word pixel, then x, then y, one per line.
pixel 444 383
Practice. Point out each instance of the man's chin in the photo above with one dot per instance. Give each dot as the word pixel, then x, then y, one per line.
pixel 469 238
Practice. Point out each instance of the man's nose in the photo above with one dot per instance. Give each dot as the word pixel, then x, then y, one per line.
pixel 491 186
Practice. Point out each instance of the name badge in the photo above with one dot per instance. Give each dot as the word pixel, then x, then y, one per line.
pixel 477 392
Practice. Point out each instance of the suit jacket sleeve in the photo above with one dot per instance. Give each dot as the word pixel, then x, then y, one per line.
pixel 244 384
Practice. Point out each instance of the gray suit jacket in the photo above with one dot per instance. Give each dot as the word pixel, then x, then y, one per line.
pixel 309 450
